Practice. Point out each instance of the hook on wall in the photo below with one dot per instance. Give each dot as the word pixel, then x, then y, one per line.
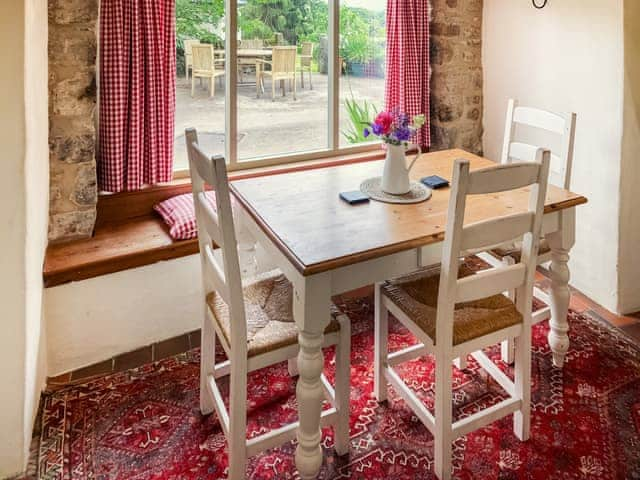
pixel 539 5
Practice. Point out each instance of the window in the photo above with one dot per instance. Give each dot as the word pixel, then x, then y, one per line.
pixel 329 54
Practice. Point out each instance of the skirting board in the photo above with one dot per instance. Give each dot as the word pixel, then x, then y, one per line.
pixel 95 319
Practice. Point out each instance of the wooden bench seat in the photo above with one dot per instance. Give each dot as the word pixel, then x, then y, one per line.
pixel 113 248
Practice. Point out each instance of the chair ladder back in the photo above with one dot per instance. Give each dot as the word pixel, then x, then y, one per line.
pixel 217 225
pixel 459 238
pixel 307 48
pixel 502 178
pixel 558 124
pixel 451 254
pixel 531 240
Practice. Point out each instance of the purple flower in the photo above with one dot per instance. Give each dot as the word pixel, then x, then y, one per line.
pixel 403 133
pixel 377 129
pixel 366 132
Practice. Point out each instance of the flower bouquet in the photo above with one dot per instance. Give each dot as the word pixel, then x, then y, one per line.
pixel 396 129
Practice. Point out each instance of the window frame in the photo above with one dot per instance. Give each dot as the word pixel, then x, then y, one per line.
pixel 333 148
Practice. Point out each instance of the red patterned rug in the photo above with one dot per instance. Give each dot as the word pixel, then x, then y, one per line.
pixel 145 423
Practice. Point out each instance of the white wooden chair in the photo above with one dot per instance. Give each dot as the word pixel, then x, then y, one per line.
pixel 454 312
pixel 205 65
pixel 306 58
pixel 553 126
pixel 283 67
pixel 254 324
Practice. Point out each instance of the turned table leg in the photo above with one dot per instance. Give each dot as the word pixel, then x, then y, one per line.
pixel 311 312
pixel 560 242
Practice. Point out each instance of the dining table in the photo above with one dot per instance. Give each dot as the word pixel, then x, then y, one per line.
pixel 325 247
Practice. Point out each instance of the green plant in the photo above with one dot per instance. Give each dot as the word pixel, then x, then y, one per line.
pixel 360 115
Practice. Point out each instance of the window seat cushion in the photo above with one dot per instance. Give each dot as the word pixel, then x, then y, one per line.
pixel 179 214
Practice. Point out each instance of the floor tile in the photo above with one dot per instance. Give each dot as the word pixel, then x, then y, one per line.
pixel 133 359
pixel 101 368
pixel 170 347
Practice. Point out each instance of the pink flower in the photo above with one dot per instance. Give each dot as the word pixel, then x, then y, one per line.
pixel 385 121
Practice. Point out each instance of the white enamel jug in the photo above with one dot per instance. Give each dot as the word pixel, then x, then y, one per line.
pixel 395 177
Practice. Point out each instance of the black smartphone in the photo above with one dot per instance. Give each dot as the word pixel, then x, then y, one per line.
pixel 355 197
pixel 435 182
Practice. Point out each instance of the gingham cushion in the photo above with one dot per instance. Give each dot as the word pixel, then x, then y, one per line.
pixel 180 216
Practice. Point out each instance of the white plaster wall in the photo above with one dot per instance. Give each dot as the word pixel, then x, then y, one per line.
pixel 23 213
pixel 95 319
pixel 567 57
pixel 37 200
pixel 629 273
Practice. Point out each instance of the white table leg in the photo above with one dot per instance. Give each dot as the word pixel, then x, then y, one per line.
pixel 311 312
pixel 560 243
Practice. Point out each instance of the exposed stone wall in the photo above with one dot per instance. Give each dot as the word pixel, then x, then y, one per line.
pixel 72 106
pixel 456 77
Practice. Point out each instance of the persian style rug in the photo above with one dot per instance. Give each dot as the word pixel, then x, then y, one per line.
pixel 145 423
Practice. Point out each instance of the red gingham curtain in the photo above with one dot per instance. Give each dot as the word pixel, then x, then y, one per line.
pixel 137 93
pixel 407 78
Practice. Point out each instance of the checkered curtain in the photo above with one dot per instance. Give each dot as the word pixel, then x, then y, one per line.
pixel 407 78
pixel 137 93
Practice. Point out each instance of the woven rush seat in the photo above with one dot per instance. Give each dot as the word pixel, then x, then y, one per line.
pixel 514 250
pixel 269 312
pixel 416 295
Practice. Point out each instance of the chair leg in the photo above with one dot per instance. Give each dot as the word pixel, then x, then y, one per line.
pixel 302 77
pixel 212 88
pixel 310 82
pixel 342 387
pixel 292 367
pixel 193 86
pixel 294 87
pixel 522 373
pixel 443 410
pixel 273 89
pixel 507 348
pixel 381 338
pixel 461 363
pixel 237 440
pixel 207 364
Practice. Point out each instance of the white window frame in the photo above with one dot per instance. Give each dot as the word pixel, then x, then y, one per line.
pixel 333 148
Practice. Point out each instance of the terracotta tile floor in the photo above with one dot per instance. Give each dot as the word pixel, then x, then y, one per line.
pixel 630 324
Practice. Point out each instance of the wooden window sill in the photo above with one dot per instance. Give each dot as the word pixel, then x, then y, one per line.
pixel 128 233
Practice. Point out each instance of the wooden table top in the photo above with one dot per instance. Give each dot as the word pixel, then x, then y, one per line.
pixel 302 213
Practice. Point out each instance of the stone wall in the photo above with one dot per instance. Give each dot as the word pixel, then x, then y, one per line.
pixel 72 107
pixel 456 77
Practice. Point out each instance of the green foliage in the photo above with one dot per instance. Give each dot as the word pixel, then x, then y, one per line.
pixel 293 18
pixel 360 115
pixel 362 35
pixel 197 18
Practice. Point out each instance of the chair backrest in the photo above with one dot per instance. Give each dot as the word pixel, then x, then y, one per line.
pixel 284 59
pixel 562 126
pixel 216 226
pixel 486 234
pixel 307 53
pixel 188 43
pixel 307 48
pixel 202 57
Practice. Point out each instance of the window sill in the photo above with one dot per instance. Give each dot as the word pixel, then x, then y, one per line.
pixel 128 234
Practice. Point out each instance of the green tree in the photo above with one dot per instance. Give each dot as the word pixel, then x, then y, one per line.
pixel 295 19
pixel 196 19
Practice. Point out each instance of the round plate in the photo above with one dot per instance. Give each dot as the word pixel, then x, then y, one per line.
pixel 416 194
